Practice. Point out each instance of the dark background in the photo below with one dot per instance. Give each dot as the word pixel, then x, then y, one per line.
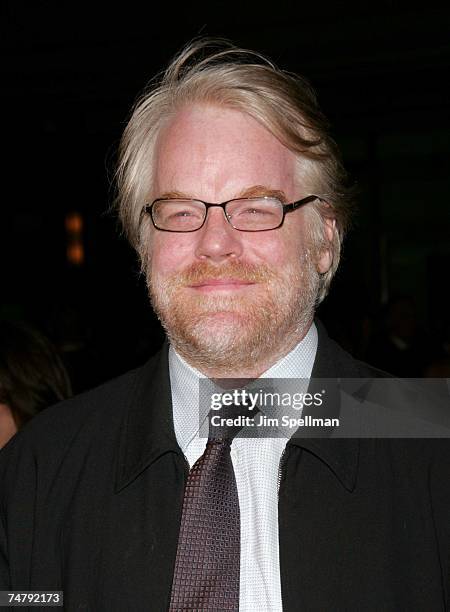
pixel 70 75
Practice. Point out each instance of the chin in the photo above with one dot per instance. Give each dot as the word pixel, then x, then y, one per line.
pixel 221 329
pixel 218 322
pixel 217 340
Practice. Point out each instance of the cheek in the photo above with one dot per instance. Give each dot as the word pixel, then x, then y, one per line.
pixel 281 247
pixel 271 251
pixel 169 253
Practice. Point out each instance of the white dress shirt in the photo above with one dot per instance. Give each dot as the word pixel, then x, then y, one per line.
pixel 256 465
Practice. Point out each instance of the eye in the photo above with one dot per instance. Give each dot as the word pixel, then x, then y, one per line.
pixel 183 213
pixel 255 214
pixel 170 211
pixel 255 211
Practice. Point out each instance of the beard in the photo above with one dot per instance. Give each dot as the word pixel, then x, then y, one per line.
pixel 231 335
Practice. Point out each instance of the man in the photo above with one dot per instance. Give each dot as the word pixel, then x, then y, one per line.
pixel 232 194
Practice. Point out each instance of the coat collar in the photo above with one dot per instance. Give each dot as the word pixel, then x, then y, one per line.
pixel 340 454
pixel 148 430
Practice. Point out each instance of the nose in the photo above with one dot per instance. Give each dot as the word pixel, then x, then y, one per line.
pixel 217 240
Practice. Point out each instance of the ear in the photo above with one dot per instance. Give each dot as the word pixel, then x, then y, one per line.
pixel 325 258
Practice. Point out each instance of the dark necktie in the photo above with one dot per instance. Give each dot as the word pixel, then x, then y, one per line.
pixel 206 575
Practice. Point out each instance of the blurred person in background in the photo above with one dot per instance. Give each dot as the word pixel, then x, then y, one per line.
pixel 439 365
pixel 400 347
pixel 32 376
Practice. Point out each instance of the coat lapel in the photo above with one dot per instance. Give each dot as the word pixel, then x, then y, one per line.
pixel 341 455
pixel 148 430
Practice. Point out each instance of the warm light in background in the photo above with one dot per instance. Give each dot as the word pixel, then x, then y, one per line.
pixel 75 254
pixel 74 230
pixel 74 223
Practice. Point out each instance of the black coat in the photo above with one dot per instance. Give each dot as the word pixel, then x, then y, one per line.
pixel 92 489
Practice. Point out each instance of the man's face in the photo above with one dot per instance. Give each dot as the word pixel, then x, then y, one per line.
pixel 229 300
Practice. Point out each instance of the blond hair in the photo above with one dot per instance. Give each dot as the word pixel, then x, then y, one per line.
pixel 217 72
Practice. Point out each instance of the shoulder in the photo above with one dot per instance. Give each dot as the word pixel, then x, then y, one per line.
pixel 333 361
pixel 67 417
pixel 73 424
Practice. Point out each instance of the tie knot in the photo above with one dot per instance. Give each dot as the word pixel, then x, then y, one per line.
pixel 225 424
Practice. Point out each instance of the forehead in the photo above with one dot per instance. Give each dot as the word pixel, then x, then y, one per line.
pixel 215 153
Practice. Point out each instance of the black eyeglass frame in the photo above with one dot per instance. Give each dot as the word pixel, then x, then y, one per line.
pixel 287 208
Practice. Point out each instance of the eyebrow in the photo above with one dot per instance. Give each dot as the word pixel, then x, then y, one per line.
pixel 168 195
pixel 249 192
pixel 263 191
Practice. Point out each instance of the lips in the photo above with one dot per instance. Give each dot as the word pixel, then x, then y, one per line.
pixel 220 283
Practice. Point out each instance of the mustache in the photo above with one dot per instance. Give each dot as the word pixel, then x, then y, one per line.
pixel 201 271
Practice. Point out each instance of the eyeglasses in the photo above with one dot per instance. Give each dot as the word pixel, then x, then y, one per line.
pixel 244 214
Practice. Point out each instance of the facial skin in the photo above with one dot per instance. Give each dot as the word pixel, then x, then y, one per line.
pixel 232 303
